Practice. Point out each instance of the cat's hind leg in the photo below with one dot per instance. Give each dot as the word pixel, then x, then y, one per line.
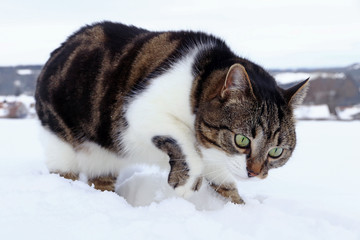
pixel 68 175
pixel 99 165
pixel 103 183
pixel 60 155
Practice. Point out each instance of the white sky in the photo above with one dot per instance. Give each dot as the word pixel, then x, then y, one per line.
pixel 273 33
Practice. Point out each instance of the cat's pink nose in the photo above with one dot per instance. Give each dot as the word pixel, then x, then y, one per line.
pixel 252 174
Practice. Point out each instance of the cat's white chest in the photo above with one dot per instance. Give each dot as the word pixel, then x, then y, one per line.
pixel 163 108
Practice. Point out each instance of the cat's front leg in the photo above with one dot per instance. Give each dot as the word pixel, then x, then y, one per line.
pixel 219 178
pixel 183 178
pixel 228 191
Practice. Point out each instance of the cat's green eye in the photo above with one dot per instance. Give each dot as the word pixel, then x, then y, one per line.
pixel 242 141
pixel 275 152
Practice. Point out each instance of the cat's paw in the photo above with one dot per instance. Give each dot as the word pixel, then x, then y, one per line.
pixel 184 181
pixel 187 190
pixel 185 170
pixel 228 191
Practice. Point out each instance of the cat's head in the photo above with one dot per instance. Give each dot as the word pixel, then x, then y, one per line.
pixel 245 124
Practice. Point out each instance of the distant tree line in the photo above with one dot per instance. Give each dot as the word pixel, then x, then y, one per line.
pixel 323 89
pixel 18 80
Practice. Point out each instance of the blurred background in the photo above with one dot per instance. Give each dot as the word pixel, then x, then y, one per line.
pixel 294 40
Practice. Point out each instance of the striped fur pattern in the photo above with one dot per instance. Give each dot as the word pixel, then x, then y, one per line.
pixel 113 95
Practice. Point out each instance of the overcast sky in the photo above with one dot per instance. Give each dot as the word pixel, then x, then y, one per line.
pixel 273 33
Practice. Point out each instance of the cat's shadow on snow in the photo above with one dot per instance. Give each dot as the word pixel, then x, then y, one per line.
pixel 144 185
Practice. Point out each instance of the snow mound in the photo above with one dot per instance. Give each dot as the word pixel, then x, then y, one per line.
pixel 11 102
pixel 312 112
pixel 24 71
pixel 355 66
pixel 291 77
pixel 144 185
pixel 348 113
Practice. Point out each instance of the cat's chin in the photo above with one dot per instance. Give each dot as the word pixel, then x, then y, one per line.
pixel 240 176
pixel 247 179
pixel 241 179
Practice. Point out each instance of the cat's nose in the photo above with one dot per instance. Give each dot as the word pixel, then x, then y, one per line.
pixel 252 173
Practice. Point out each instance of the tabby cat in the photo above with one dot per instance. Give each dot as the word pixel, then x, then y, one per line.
pixel 114 95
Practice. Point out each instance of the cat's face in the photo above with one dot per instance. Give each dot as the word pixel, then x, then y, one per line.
pixel 242 134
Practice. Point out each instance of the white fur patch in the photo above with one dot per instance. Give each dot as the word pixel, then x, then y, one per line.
pixel 221 168
pixel 60 155
pixel 89 159
pixel 164 109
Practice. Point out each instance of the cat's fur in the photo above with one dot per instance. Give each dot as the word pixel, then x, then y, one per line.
pixel 113 95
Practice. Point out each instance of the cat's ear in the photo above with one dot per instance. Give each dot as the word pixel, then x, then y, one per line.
pixel 295 95
pixel 237 80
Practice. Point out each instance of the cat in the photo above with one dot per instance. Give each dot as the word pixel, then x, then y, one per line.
pixel 113 95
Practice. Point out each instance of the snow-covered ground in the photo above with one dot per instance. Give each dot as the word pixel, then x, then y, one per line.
pixel 27 101
pixel 315 196
pixel 313 112
pixel 291 77
pixel 347 113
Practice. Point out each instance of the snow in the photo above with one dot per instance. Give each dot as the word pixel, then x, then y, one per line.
pixel 3 112
pixel 314 196
pixel 27 100
pixel 24 71
pixel 312 112
pixel 348 112
pixel 290 77
pixel 355 66
pixel 339 75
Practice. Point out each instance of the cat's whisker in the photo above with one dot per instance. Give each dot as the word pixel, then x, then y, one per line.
pixel 225 180
pixel 212 172
pixel 216 177
pixel 212 164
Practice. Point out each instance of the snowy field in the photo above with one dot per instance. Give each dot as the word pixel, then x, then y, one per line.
pixel 315 196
